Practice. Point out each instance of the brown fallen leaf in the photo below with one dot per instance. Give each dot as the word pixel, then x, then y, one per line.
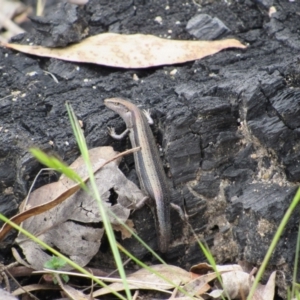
pixel 62 195
pixel 198 286
pixel 131 51
pixel 204 268
pixel 269 290
pixel 11 13
pixel 237 284
pixel 34 287
pixel 71 292
pixel 6 295
pixel 67 226
pixel 17 219
pixel 216 294
pixel 124 232
pixel 144 279
pixel 266 292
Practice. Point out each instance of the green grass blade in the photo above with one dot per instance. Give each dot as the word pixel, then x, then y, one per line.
pixel 108 228
pixel 58 254
pixel 54 163
pixel 274 242
pixel 153 271
pixel 296 263
pixel 212 262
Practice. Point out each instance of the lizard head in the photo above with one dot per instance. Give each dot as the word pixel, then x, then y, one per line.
pixel 122 107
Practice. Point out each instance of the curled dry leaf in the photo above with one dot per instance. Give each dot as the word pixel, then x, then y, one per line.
pixel 32 288
pixel 9 10
pixel 216 294
pixel 61 191
pixel 199 285
pixel 74 294
pixel 269 290
pixel 56 226
pixel 144 279
pixel 6 295
pixel 237 284
pixel 124 232
pixel 266 292
pixel 131 51
pixel 204 268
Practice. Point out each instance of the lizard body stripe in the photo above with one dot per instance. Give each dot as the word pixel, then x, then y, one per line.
pixel 148 165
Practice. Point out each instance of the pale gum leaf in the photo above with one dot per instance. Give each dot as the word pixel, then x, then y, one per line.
pixel 266 292
pixel 131 51
pixel 199 285
pixel 204 268
pixel 269 290
pixel 124 232
pixel 57 194
pixel 237 284
pixel 187 298
pixel 216 294
pixel 74 294
pixel 34 287
pixel 144 279
pixel 56 225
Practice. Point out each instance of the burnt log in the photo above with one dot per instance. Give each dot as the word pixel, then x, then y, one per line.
pixel 228 124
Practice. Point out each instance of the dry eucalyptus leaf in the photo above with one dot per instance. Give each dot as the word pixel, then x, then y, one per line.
pixel 10 9
pixel 78 2
pixel 216 294
pixel 96 156
pixel 50 191
pixel 76 239
pixel 144 279
pixel 131 51
pixel 74 294
pixel 30 212
pixel 269 290
pixel 199 286
pixel 124 232
pixel 201 268
pixel 34 287
pixel 204 268
pixel 54 194
pixel 6 295
pixel 266 292
pixel 237 284
pixel 187 298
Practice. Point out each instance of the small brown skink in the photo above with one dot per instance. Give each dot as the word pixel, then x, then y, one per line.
pixel 148 165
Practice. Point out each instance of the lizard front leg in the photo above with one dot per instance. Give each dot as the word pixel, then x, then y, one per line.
pixel 113 134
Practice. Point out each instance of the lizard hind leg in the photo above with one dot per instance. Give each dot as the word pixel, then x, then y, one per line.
pixel 141 203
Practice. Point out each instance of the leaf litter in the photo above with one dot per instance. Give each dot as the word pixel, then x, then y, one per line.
pixel 236 283
pixel 64 226
pixel 57 195
pixel 125 51
pixel 131 51
pixel 57 228
pixel 12 13
pixel 185 285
